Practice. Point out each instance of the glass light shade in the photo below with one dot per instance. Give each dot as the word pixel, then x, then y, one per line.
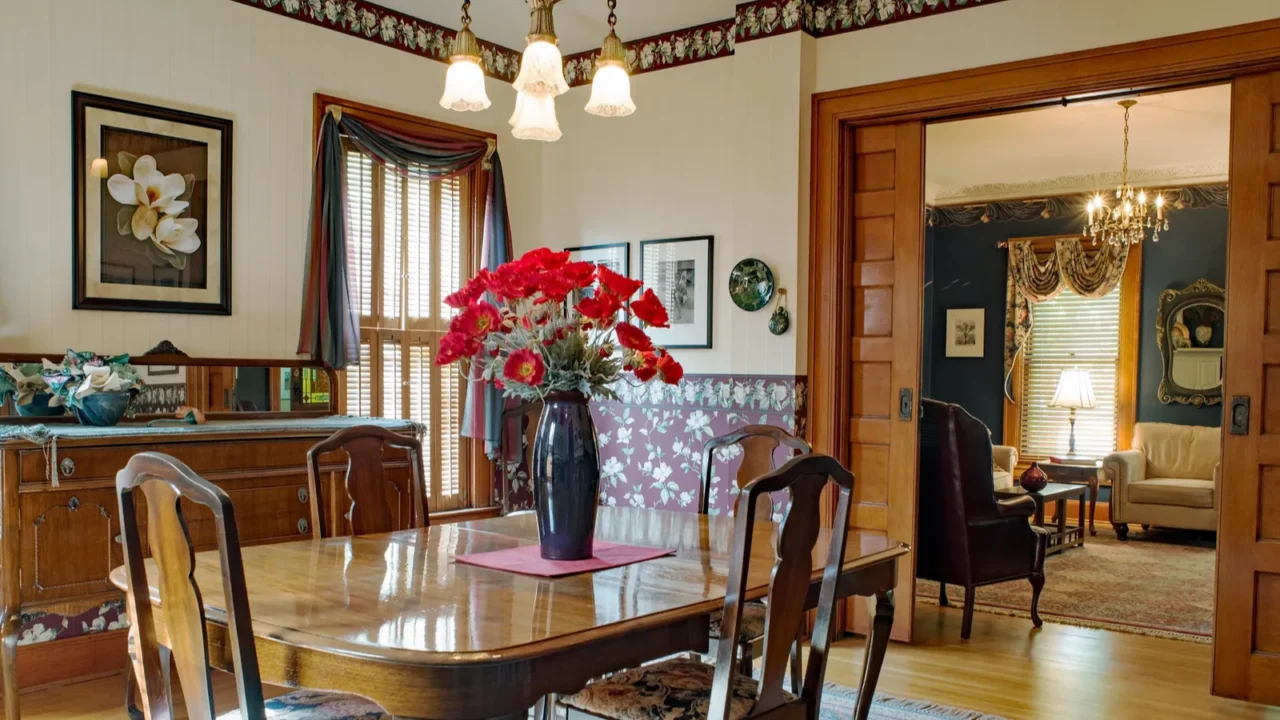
pixel 464 86
pixel 535 118
pixel 541 70
pixel 611 92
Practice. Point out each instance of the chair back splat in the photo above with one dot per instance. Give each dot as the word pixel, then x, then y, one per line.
pixel 759 444
pixel 368 501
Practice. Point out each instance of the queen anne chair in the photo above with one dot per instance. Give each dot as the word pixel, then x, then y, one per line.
pixel 686 689
pixel 182 641
pixel 373 503
pixel 759 445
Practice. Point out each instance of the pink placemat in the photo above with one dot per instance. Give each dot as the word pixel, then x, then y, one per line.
pixel 528 560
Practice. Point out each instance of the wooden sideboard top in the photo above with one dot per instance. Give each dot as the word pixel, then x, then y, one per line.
pixel 29 436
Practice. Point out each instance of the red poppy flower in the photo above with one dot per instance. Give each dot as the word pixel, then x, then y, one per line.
pixel 633 338
pixel 554 286
pixel 601 306
pixel 524 366
pixel 620 285
pixel 578 274
pixel 455 346
pixel 649 309
pixel 670 370
pixel 544 259
pixel 645 366
pixel 478 320
pixel 513 282
pixel 470 292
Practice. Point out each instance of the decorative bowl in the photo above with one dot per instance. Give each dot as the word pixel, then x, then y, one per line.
pixel 751 284
pixel 102 409
pixel 39 407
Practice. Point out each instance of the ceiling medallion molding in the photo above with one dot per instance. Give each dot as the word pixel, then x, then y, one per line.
pixel 1192 197
pixel 384 26
pixel 1188 174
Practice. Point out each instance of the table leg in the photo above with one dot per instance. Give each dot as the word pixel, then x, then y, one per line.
pixel 1060 509
pixel 1093 503
pixel 1081 522
pixel 877 643
pixel 1039 509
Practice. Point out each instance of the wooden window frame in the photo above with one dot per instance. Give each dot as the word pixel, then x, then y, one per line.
pixel 478 486
pixel 1126 369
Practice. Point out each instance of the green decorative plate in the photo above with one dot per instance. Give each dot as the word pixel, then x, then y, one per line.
pixel 751 284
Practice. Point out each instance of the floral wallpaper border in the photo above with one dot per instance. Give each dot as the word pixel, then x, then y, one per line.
pixel 384 26
pixel 659 52
pixel 38 627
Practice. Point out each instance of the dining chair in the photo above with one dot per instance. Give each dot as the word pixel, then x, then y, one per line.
pixel 759 445
pixel 684 688
pixel 373 501
pixel 182 641
pixel 520 414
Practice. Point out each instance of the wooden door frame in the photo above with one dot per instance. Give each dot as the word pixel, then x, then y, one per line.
pixel 1210 56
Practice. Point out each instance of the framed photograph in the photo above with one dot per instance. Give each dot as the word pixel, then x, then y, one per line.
pixel 615 256
pixel 679 272
pixel 964 332
pixel 152 208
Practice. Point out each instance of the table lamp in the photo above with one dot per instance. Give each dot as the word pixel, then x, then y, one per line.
pixel 1075 390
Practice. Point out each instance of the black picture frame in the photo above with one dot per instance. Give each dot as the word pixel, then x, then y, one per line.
pixel 626 256
pixel 80 163
pixel 708 290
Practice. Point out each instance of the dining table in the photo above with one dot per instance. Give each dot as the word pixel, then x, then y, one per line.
pixel 397 619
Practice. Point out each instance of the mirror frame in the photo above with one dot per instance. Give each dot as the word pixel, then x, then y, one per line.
pixel 1200 292
pixel 166 353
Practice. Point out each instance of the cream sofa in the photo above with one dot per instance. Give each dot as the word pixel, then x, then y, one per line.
pixel 1003 460
pixel 1171 478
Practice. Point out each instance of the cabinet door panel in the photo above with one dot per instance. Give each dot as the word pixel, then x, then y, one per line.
pixel 68 543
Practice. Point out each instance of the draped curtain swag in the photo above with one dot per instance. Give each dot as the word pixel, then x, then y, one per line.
pixel 1033 278
pixel 330 330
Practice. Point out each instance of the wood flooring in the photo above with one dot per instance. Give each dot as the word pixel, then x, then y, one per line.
pixel 1007 669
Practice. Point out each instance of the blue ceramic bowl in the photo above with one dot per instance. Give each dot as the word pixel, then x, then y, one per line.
pixel 39 407
pixel 102 409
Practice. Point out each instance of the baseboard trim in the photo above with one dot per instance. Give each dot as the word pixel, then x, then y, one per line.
pixel 62 661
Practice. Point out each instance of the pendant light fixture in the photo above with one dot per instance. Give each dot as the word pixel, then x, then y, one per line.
pixel 464 83
pixel 1127 222
pixel 611 85
pixel 535 118
pixel 541 66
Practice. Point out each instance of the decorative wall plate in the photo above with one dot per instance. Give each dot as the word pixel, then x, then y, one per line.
pixel 751 284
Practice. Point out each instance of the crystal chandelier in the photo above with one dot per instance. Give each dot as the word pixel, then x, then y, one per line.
pixel 1127 222
pixel 464 83
pixel 611 85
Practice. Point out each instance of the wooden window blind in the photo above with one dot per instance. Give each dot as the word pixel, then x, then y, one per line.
pixel 408 247
pixel 1070 331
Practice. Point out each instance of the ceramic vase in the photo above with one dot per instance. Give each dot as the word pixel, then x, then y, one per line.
pixel 1033 478
pixel 566 477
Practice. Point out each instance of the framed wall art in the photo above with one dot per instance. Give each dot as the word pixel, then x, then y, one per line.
pixel 152 208
pixel 964 332
pixel 679 271
pixel 615 256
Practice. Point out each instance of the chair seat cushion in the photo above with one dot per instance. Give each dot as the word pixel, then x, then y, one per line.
pixel 677 689
pixel 317 705
pixel 752 625
pixel 1173 491
pixel 1003 480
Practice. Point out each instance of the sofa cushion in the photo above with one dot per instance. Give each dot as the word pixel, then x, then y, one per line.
pixel 1003 480
pixel 1183 492
pixel 1178 451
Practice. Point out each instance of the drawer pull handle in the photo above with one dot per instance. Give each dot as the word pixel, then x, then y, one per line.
pixel 303 526
pixel 68 466
pixel 302 495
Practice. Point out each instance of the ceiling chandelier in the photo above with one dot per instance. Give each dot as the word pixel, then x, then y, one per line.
pixel 541 78
pixel 1127 222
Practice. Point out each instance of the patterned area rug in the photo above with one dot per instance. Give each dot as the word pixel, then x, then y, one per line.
pixel 838 703
pixel 1158 583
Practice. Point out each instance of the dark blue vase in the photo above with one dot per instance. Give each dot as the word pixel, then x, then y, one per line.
pixel 102 409
pixel 39 407
pixel 566 477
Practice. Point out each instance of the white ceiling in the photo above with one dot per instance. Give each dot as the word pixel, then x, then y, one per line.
pixel 580 24
pixel 1177 137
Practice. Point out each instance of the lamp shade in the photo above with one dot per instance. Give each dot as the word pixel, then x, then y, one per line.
pixel 464 86
pixel 611 92
pixel 535 118
pixel 1075 390
pixel 541 70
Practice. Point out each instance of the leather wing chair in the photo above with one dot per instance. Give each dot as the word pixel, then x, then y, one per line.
pixel 1171 478
pixel 965 536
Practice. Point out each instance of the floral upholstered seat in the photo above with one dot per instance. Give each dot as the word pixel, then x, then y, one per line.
pixel 670 690
pixel 752 625
pixel 316 705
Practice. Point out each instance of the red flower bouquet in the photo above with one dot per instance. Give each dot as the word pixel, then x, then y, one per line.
pixel 531 341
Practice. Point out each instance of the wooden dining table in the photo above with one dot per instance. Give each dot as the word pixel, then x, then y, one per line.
pixel 395 618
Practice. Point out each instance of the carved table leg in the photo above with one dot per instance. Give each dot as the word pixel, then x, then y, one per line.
pixel 1093 503
pixel 877 642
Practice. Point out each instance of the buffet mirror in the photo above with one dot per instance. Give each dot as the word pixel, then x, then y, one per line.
pixel 1190 327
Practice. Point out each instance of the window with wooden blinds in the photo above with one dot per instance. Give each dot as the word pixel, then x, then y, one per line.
pixel 1071 331
pixel 409 246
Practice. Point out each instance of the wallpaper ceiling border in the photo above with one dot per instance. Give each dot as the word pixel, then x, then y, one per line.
pixel 753 20
pixel 1194 197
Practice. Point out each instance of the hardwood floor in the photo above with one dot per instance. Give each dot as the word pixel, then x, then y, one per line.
pixel 1007 669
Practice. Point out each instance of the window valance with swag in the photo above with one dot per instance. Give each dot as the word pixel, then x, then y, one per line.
pixel 1037 277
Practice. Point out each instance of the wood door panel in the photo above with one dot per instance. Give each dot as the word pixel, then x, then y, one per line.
pixel 873 311
pixel 873 171
pixel 872 396
pixel 1247 626
pixel 875 239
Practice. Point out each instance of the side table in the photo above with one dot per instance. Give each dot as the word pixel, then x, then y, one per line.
pixel 1076 471
pixel 1061 536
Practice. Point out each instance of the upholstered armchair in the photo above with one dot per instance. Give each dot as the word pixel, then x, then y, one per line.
pixel 964 535
pixel 1171 478
pixel 1003 460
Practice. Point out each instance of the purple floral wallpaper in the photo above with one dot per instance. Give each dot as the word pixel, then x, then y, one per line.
pixel 651 439
pixel 38 627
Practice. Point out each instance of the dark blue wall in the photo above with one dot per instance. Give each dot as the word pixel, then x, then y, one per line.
pixel 968 271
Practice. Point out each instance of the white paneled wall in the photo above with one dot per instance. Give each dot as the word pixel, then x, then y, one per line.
pixel 214 57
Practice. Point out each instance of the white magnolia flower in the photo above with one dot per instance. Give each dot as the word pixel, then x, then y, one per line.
pixel 886 9
pixel 99 378
pixel 176 235
pixel 662 472
pixel 624 436
pixel 698 423
pixel 612 470
pixel 153 192
pixel 37 633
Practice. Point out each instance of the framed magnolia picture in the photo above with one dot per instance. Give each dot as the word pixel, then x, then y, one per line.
pixel 679 273
pixel 152 208
pixel 964 332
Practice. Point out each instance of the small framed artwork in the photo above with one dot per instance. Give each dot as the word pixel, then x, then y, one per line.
pixel 615 256
pixel 964 332
pixel 679 273
pixel 152 208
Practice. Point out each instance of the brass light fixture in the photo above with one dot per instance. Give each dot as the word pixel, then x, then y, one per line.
pixel 1127 222
pixel 611 85
pixel 464 84
pixel 541 78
